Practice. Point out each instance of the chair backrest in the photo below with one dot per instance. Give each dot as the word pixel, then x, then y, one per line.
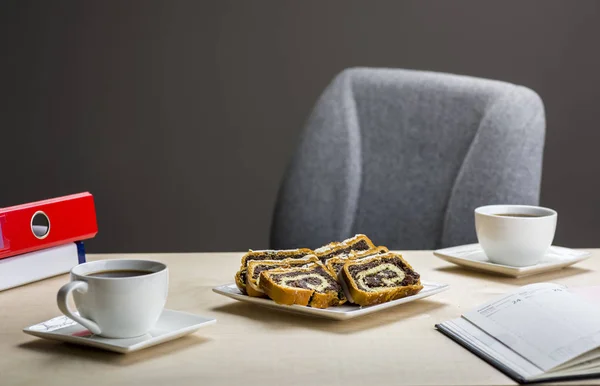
pixel 405 157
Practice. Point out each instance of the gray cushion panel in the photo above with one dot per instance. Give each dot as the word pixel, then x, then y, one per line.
pixel 405 156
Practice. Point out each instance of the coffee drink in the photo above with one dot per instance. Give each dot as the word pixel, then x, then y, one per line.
pixel 119 273
pixel 516 215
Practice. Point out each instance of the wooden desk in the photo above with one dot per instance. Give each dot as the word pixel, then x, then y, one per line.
pixel 250 345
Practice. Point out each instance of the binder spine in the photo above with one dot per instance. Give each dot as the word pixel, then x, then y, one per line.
pixel 1 237
pixel 80 252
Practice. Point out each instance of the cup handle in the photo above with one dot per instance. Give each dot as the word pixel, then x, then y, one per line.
pixel 61 300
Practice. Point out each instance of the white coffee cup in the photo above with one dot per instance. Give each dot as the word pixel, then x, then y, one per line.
pixel 116 307
pixel 514 240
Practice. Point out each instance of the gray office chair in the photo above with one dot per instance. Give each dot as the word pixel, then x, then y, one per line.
pixel 406 156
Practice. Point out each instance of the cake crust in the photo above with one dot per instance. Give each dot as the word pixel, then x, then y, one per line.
pixel 352 270
pixel 364 297
pixel 239 283
pixel 268 254
pixel 289 295
pixel 336 263
pixel 252 280
pixel 356 243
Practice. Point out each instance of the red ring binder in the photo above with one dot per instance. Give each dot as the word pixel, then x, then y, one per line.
pixel 70 218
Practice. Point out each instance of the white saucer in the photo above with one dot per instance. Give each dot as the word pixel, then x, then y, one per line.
pixel 472 256
pixel 343 312
pixel 171 325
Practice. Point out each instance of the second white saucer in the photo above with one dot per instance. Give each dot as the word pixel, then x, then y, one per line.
pixel 472 256
pixel 171 325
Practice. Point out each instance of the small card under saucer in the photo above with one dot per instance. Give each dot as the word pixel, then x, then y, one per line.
pixel 472 256
pixel 171 325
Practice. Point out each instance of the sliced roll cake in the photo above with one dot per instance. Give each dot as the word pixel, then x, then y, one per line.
pixel 312 285
pixel 255 267
pixel 336 263
pixel 354 244
pixel 379 279
pixel 240 276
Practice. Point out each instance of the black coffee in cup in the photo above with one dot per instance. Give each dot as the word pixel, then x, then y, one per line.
pixel 119 273
pixel 516 215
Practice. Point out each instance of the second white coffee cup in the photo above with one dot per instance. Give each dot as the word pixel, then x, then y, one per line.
pixel 116 298
pixel 515 235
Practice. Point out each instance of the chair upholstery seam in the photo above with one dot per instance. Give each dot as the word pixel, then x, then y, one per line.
pixel 461 170
pixel 462 166
pixel 358 139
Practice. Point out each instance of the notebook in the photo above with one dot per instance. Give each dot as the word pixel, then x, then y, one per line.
pixel 539 332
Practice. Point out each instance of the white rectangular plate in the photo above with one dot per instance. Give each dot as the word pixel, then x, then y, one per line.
pixel 171 325
pixel 473 257
pixel 343 312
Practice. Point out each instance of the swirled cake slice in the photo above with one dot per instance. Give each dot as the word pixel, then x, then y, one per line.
pixel 240 276
pixel 379 279
pixel 312 286
pixel 255 267
pixel 336 263
pixel 357 243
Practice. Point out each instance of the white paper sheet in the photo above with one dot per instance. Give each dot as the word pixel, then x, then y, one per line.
pixel 544 323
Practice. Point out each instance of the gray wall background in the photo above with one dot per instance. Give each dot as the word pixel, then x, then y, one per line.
pixel 179 116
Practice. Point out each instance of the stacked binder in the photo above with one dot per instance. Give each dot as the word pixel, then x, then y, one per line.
pixel 44 238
